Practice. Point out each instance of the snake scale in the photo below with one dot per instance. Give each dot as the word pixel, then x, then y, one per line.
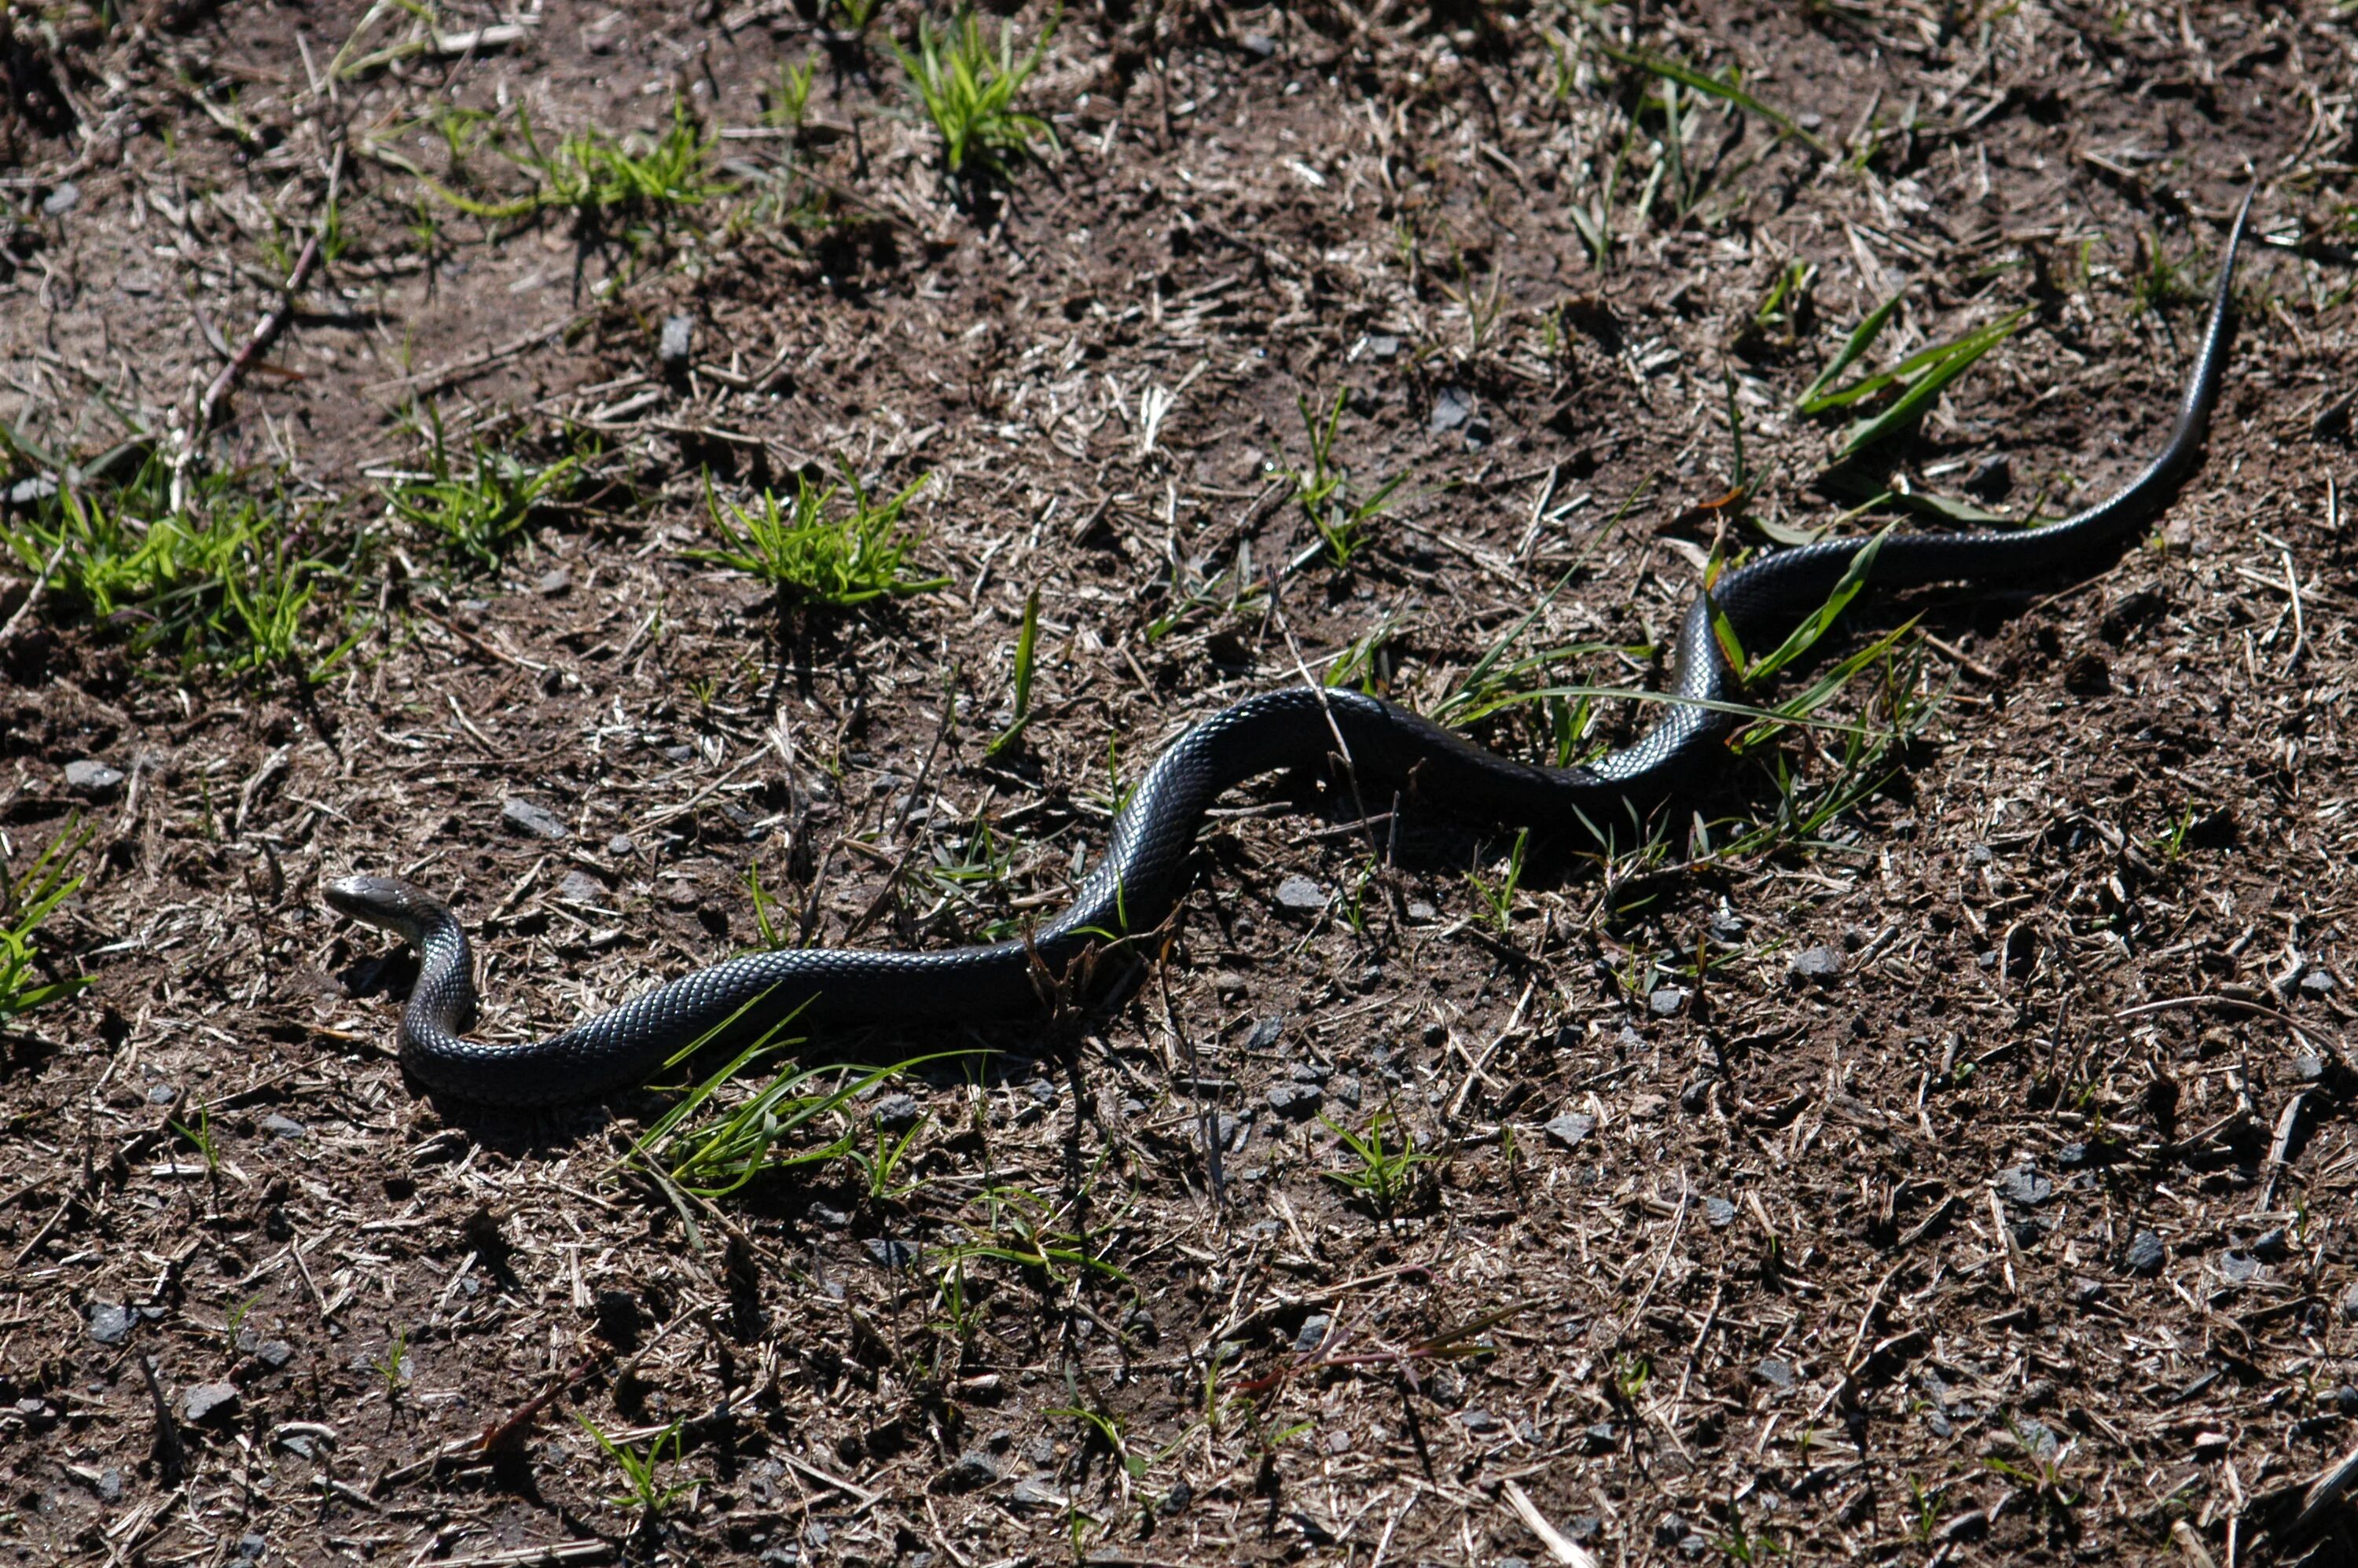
pixel 1139 880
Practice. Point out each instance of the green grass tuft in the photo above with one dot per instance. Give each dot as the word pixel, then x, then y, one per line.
pixel 26 905
pixel 970 92
pixel 815 552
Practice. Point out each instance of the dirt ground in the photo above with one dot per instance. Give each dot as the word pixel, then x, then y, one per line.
pixel 1931 1144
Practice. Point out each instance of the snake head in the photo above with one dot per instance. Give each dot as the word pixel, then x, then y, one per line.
pixel 385 902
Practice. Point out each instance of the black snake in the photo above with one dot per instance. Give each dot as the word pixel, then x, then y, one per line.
pixel 1139 881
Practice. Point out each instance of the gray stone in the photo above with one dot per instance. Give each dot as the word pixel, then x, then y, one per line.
pixel 162 1094
pixel 2238 1268
pixel 1718 1213
pixel 1776 1373
pixel 279 1125
pixel 1295 1102
pixel 1265 1033
pixel 974 1469
pixel 1260 46
pixel 896 1113
pixel 678 337
pixel 1727 925
pixel 209 1401
pixel 535 821
pixel 1601 1438
pixel 274 1354
pixel 890 1252
pixel 2271 1246
pixel 1819 963
pixel 1480 1422
pixel 1568 1129
pixel 1300 892
pixel 1346 1089
pixel 29 491
pixel 833 1219
pixel 109 1485
pixel 111 1323
pixel 1232 1131
pixel 62 200
pixel 2147 1254
pixel 1038 1492
pixel 1452 406
pixel 2021 1184
pixel 1312 1333
pixel 580 887
pixel 1667 1001
pixel 622 846
pixel 554 583
pixel 1382 346
pixel 250 1547
pixel 2317 982
pixel 93 780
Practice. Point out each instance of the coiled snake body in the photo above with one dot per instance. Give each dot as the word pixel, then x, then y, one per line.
pixel 1139 880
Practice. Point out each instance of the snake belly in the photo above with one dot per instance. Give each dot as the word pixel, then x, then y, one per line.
pixel 1142 874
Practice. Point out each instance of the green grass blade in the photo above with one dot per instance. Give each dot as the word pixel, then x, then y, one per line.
pixel 1861 339
pixel 1727 92
pixel 1960 358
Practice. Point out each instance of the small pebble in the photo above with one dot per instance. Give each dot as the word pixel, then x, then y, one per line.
pixel 678 336
pixel 1300 892
pixel 1568 1129
pixel 2021 1184
pixel 891 1252
pixel 1480 1422
pixel 1294 1101
pixel 580 887
pixel 1718 1213
pixel 1452 406
pixel 621 845
pixel 1601 1438
pixel 1819 963
pixel 1264 1033
pixel 2147 1254
pixel 1383 346
pixel 1260 46
pixel 279 1125
pixel 975 1468
pixel 554 583
pixel 1775 1373
pixel 111 1323
pixel 62 200
pixel 1312 1333
pixel 896 1113
pixel 93 780
pixel 1667 1001
pixel 536 821
pixel 208 1401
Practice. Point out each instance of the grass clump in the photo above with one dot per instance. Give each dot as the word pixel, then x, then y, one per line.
pixel 589 172
pixel 476 505
pixel 969 91
pixel 816 552
pixel 641 1472
pixel 26 905
pixel 1343 517
pixel 218 582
